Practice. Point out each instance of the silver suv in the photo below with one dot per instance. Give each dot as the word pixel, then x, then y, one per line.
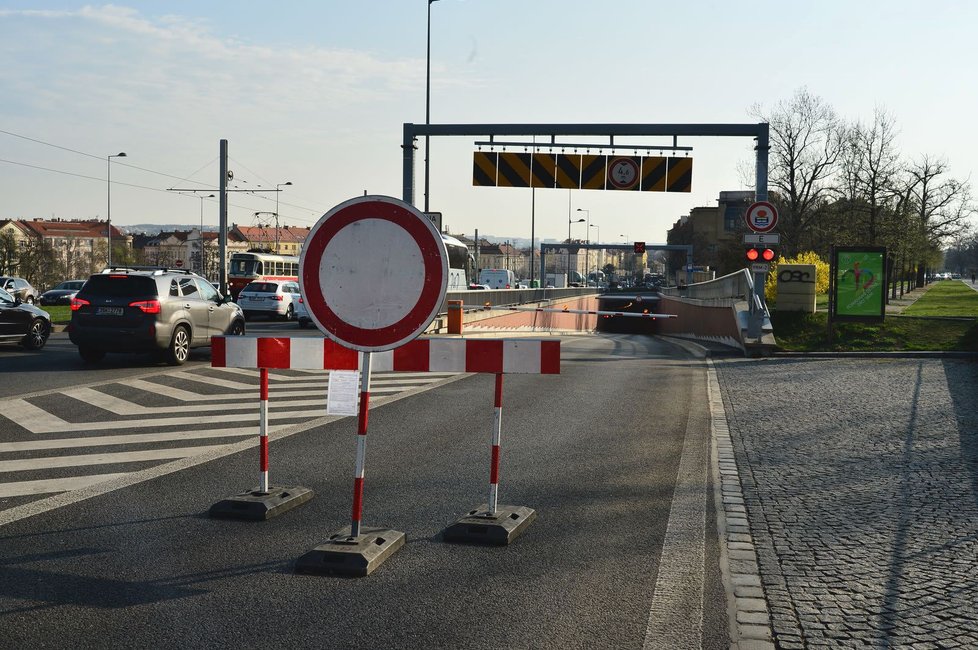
pixel 140 309
pixel 19 288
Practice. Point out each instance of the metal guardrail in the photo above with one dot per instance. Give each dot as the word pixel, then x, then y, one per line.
pixel 504 297
pixel 738 286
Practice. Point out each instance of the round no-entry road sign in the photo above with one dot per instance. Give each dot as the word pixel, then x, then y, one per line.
pixel 761 216
pixel 373 273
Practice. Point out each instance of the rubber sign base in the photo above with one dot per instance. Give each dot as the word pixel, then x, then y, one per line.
pixel 254 505
pixel 499 529
pixel 349 556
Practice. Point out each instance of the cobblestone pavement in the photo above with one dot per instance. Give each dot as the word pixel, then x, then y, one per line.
pixel 860 481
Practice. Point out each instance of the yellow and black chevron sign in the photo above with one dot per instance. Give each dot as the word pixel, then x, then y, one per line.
pixel 653 174
pixel 593 170
pixel 544 169
pixel 484 168
pixel 679 177
pixel 514 170
pixel 568 171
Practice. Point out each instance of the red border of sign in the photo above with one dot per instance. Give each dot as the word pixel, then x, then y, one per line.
pixel 761 204
pixel 433 289
pixel 638 173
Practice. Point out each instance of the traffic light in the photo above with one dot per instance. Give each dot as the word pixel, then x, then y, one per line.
pixel 755 254
pixel 639 247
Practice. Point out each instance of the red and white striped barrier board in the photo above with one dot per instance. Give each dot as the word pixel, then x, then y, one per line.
pixel 507 356
pixel 281 352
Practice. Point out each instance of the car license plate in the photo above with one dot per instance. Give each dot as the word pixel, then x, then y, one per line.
pixel 109 311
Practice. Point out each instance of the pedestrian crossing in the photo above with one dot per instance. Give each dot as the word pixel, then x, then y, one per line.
pixel 76 438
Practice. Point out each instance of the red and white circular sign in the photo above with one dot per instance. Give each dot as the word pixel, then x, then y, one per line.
pixel 178 263
pixel 761 216
pixel 623 173
pixel 373 273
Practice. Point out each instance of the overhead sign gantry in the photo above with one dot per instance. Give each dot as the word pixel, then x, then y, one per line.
pixel 625 180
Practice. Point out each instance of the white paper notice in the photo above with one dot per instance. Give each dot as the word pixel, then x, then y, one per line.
pixel 342 396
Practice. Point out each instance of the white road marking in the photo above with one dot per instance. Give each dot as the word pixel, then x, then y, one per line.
pixel 29 464
pixel 676 613
pixel 50 486
pixel 116 482
pixel 133 439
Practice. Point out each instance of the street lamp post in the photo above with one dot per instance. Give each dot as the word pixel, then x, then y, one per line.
pixel 569 222
pixel 621 262
pixel 277 190
pixel 587 254
pixel 597 258
pixel 427 106
pixel 108 202
pixel 200 235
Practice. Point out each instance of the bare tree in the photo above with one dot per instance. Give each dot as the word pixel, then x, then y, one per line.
pixel 806 140
pixel 871 172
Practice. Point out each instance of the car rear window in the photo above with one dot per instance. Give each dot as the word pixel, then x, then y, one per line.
pixel 261 287
pixel 120 286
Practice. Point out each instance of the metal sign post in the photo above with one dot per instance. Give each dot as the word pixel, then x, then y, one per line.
pixel 373 273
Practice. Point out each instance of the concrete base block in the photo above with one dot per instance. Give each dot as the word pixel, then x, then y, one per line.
pixel 499 529
pixel 358 556
pixel 259 506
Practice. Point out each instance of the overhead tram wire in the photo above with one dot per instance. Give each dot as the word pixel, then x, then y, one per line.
pixel 312 211
pixel 99 158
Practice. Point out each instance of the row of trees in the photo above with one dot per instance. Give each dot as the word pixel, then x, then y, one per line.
pixel 43 264
pixel 846 183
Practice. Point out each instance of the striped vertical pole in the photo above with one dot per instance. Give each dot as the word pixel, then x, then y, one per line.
pixel 361 446
pixel 497 428
pixel 263 431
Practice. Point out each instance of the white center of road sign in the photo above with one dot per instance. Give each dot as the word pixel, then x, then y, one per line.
pixel 373 273
pixel 387 272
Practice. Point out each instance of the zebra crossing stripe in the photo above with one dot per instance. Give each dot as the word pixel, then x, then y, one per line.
pixel 132 439
pixel 111 458
pixel 51 486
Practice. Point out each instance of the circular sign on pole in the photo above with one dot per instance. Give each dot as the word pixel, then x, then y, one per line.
pixel 622 173
pixel 178 263
pixel 761 216
pixel 373 272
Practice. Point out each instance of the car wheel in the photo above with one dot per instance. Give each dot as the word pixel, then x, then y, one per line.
pixel 90 355
pixel 290 312
pixel 29 300
pixel 37 335
pixel 179 348
pixel 237 328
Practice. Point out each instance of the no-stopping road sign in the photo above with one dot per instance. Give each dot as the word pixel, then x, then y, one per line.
pixel 373 272
pixel 761 216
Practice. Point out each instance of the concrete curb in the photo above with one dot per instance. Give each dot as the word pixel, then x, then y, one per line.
pixel 747 608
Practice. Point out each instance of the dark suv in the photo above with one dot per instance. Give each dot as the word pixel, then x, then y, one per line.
pixel 141 309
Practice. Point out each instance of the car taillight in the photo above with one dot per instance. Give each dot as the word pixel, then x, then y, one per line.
pixel 147 306
pixel 279 298
pixel 78 303
pixel 300 299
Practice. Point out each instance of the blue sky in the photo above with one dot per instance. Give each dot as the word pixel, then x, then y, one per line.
pixel 316 93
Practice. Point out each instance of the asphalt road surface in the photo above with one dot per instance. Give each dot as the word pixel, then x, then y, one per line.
pixel 595 451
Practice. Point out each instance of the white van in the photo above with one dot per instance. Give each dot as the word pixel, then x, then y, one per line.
pixel 497 278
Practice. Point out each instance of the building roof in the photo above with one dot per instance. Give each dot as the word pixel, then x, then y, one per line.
pixel 93 228
pixel 286 234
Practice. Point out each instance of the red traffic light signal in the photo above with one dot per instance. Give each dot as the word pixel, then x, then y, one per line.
pixel 639 247
pixel 755 254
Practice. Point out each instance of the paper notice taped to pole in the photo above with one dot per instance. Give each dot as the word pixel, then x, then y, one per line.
pixel 342 396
